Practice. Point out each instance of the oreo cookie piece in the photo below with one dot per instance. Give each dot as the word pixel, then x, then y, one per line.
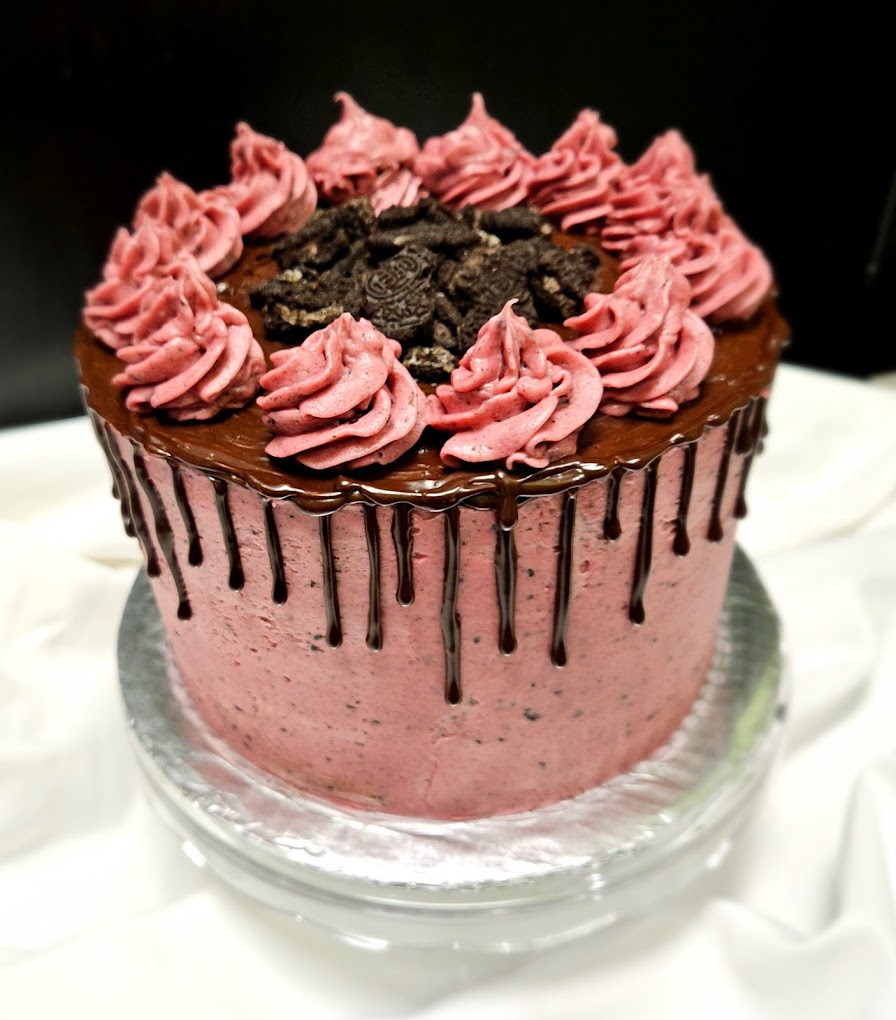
pixel 399 295
pixel 302 300
pixel 327 235
pixel 560 279
pixel 511 224
pixel 428 210
pixel 486 280
pixel 448 237
pixel 445 336
pixel 429 364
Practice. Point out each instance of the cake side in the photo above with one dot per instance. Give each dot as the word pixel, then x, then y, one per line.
pixel 438 663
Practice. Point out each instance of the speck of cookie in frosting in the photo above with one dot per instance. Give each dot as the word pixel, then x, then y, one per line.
pixel 424 275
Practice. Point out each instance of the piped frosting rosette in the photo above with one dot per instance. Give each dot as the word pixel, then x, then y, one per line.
pixel 190 356
pixel 651 349
pixel 363 155
pixel 574 180
pixel 342 399
pixel 270 185
pixel 207 223
pixel 518 395
pixel 135 261
pixel 661 205
pixel 480 163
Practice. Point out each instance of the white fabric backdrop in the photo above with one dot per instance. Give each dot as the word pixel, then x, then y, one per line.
pixel 102 915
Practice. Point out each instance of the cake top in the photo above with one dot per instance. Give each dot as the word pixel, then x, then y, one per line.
pixel 460 288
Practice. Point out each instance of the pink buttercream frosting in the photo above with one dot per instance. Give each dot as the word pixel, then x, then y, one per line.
pixel 661 205
pixel 573 181
pixel 342 399
pixel 659 195
pixel 363 155
pixel 518 395
pixel 651 349
pixel 207 223
pixel 189 356
pixel 480 163
pixel 270 186
pixel 667 162
pixel 135 260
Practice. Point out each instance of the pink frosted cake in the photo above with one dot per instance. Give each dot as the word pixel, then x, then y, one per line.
pixel 435 453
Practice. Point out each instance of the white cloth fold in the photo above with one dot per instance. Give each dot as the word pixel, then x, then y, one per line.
pixel 102 914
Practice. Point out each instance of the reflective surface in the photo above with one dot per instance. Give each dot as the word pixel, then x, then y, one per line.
pixel 500 884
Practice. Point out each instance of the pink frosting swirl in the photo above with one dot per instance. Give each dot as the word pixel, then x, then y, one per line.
pixel 207 223
pixel 667 162
pixel 397 187
pixel 342 399
pixel 270 186
pixel 651 350
pixel 172 304
pixel 190 356
pixel 661 205
pixel 518 395
pixel 660 194
pixel 134 262
pixel 736 283
pixel 363 155
pixel 480 163
pixel 574 180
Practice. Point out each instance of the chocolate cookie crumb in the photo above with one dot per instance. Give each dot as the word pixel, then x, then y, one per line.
pixel 424 275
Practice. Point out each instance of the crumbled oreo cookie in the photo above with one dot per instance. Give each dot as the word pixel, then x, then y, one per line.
pixel 429 364
pixel 424 275
pixel 399 295
pixel 302 300
pixel 483 283
pixel 327 236
pixel 515 223
pixel 561 279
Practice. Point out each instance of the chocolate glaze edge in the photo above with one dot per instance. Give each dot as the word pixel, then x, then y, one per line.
pixel 231 447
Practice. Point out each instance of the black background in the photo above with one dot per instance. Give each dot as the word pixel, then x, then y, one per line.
pixel 793 124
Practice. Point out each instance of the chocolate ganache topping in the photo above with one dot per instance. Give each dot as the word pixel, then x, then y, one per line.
pixel 429 277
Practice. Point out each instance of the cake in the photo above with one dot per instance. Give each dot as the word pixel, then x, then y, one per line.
pixel 435 453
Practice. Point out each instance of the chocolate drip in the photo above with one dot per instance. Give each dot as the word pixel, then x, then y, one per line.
pixel 164 534
pixel 716 532
pixel 559 655
pixel 128 488
pixel 279 590
pixel 403 540
pixel 763 432
pixel 374 612
pixel 682 544
pixel 116 492
pixel 612 527
pixel 236 580
pixel 505 577
pixel 119 490
pixel 644 554
pixel 331 598
pixel 194 555
pixel 743 442
pixel 748 444
pixel 450 618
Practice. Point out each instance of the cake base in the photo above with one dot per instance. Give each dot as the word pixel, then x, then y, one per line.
pixel 500 884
